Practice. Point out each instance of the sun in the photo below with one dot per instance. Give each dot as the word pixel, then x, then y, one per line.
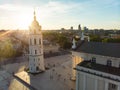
pixel 24 20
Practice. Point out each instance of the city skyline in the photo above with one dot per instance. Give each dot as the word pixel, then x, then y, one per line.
pixel 56 14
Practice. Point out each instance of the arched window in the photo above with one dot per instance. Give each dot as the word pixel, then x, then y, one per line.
pixel 35 41
pixel 109 63
pixel 35 51
pixel 93 60
pixel 39 41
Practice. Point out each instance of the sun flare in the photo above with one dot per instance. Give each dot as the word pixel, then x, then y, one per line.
pixel 24 20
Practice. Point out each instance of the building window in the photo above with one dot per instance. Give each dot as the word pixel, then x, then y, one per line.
pixel 93 60
pixel 39 41
pixel 112 86
pixel 35 51
pixel 109 63
pixel 119 65
pixel 37 68
pixel 35 41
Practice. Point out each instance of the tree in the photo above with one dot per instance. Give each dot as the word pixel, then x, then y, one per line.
pixel 7 50
pixel 105 40
pixel 64 42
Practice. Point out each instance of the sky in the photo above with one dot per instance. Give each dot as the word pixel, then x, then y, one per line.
pixel 57 14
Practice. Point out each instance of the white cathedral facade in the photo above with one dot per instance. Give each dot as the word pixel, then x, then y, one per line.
pixel 36 59
pixel 96 66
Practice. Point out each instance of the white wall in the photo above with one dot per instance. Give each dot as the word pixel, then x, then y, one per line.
pixel 87 81
pixel 99 58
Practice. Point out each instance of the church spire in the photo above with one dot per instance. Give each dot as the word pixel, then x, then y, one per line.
pixel 34 15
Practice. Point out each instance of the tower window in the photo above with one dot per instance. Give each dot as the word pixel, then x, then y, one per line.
pixel 35 41
pixel 109 63
pixel 35 51
pixel 39 41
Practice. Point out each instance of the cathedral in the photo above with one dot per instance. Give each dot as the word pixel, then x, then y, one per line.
pixel 96 65
pixel 36 59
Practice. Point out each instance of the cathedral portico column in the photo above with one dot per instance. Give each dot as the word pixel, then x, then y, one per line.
pixel 84 82
pixel 77 81
pixel 106 85
pixel 96 84
pixel 118 88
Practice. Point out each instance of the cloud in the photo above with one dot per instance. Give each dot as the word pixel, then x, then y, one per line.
pixel 10 7
pixel 57 12
pixel 58 7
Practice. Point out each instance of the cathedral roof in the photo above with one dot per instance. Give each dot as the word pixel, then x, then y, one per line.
pixel 99 48
pixel 99 67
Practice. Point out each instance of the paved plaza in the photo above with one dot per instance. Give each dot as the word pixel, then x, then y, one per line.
pixel 57 77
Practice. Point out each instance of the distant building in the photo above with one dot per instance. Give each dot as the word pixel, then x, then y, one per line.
pixel 96 66
pixel 62 28
pixel 36 60
pixel 79 27
pixel 71 28
pixel 85 29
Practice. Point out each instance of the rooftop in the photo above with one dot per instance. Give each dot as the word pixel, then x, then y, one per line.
pixel 99 48
pixel 100 67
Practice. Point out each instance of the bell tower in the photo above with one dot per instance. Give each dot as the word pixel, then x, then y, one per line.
pixel 36 59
